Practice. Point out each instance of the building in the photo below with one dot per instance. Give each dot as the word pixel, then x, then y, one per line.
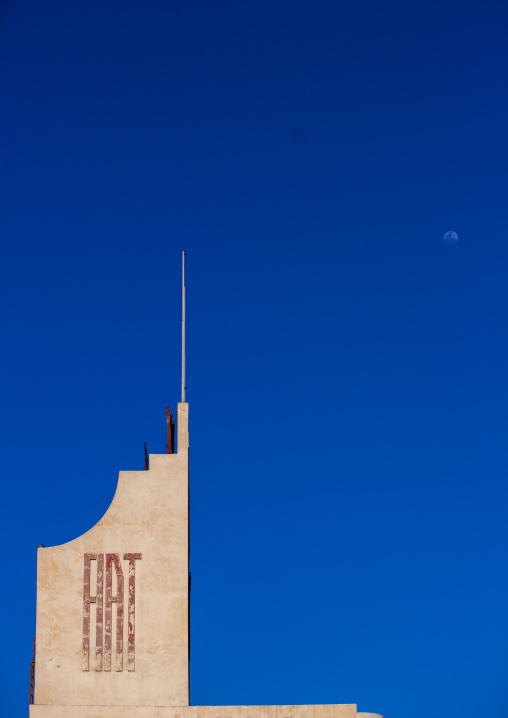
pixel 112 635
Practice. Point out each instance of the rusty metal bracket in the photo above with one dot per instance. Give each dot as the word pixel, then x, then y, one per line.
pixel 32 676
pixel 171 432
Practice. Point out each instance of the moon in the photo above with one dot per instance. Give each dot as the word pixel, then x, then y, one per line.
pixel 451 237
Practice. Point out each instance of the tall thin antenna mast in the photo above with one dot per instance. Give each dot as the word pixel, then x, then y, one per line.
pixel 183 328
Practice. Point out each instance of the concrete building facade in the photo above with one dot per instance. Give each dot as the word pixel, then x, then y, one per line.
pixel 112 633
pixel 112 629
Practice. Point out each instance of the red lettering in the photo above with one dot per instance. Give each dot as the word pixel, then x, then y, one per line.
pixel 113 559
pixel 87 600
pixel 103 631
pixel 131 609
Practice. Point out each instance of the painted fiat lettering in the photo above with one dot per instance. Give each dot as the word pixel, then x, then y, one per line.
pixel 87 600
pixel 113 559
pixel 104 614
pixel 131 613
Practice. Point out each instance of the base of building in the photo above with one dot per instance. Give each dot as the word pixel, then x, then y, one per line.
pixel 346 710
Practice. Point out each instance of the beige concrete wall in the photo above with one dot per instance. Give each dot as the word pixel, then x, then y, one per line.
pixel 148 515
pixel 314 711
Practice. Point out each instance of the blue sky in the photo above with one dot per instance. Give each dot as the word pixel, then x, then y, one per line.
pixel 346 367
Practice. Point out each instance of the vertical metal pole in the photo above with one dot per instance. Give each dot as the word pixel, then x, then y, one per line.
pixel 183 328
